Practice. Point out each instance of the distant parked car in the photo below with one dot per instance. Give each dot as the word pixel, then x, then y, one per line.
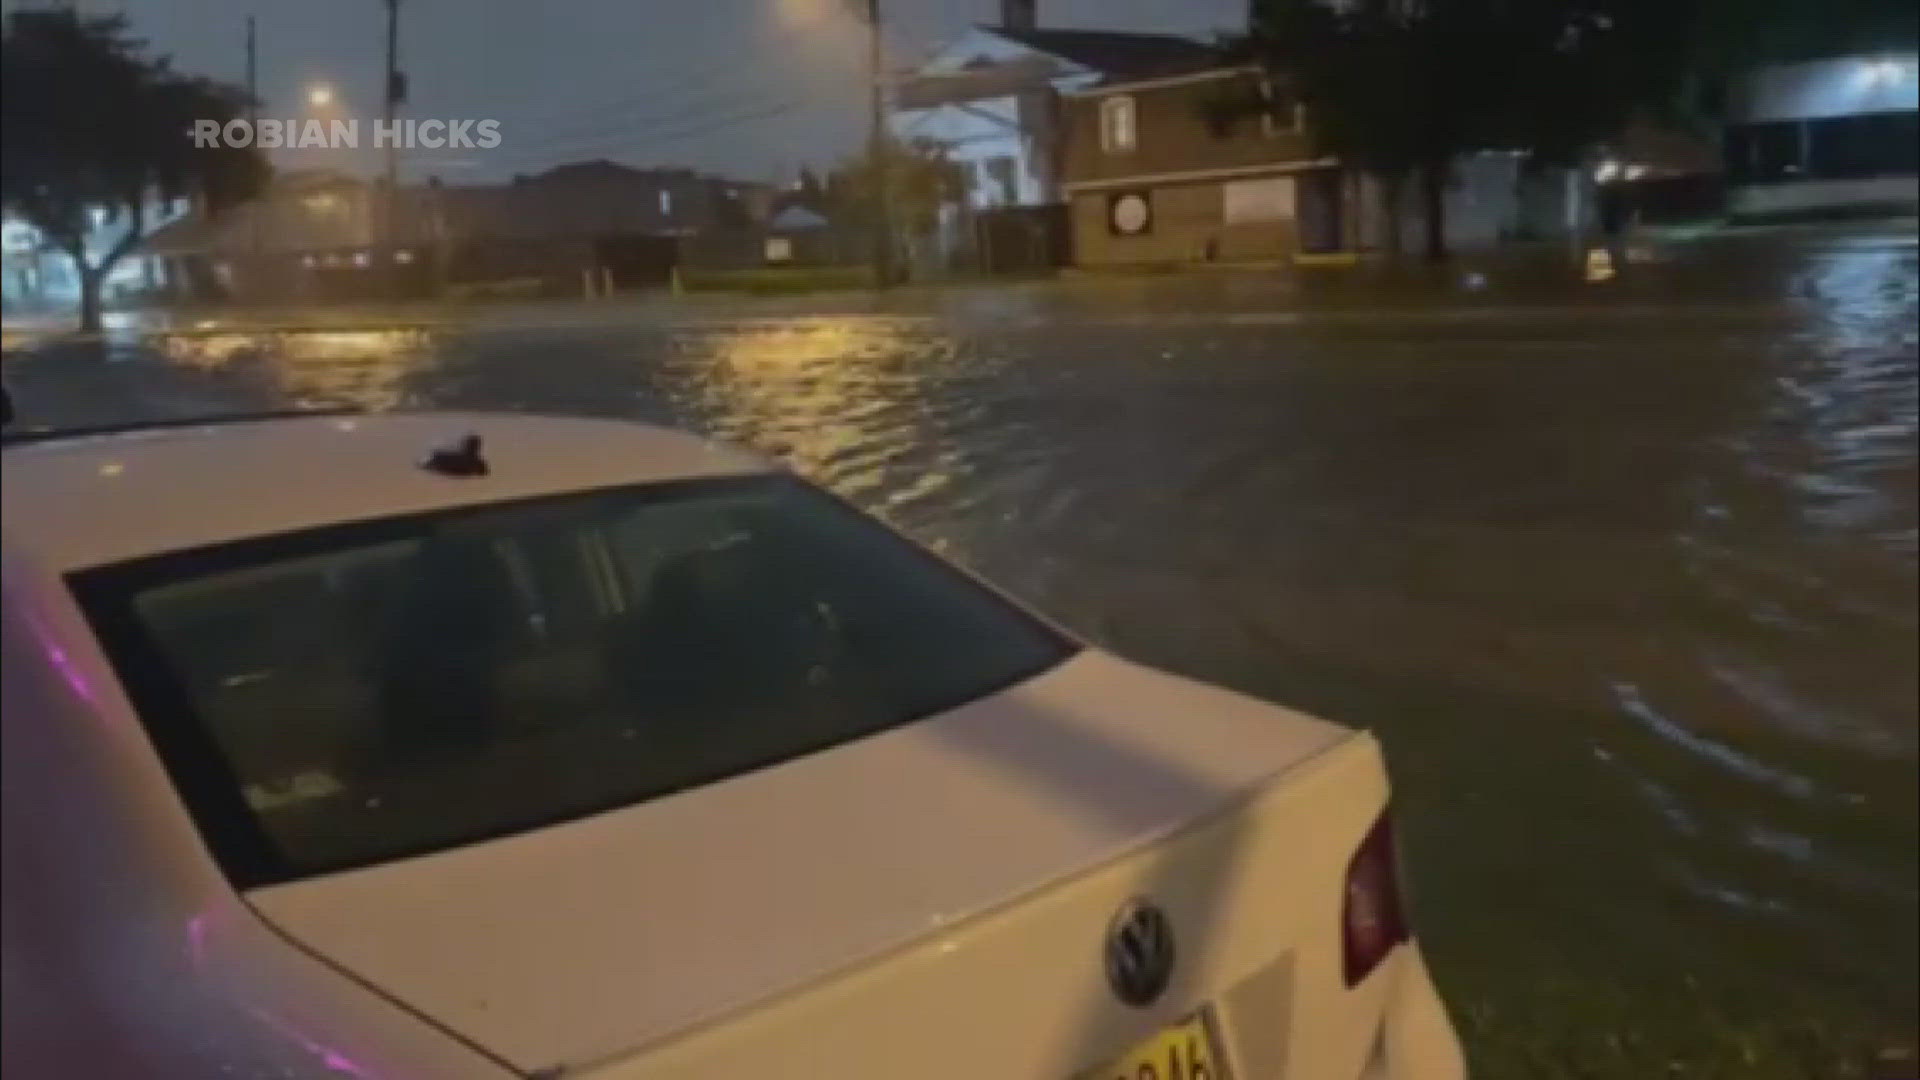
pixel 415 746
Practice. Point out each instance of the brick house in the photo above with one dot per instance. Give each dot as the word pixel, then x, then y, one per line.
pixel 1183 168
pixel 1168 170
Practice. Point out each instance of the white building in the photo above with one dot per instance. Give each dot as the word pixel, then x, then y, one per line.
pixel 1825 135
pixel 990 99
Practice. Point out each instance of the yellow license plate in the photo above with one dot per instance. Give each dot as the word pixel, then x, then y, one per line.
pixel 1182 1051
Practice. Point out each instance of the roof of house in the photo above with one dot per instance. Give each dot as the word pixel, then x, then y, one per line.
pixel 189 233
pixel 796 218
pixel 1115 53
pixel 604 170
pixel 989 81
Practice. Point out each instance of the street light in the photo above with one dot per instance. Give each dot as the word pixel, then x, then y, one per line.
pixel 1879 73
pixel 320 95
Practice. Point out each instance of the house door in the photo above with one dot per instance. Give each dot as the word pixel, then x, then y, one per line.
pixel 1321 212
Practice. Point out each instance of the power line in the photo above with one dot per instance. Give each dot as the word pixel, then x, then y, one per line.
pixel 730 102
pixel 701 80
pixel 701 104
pixel 622 134
pixel 627 144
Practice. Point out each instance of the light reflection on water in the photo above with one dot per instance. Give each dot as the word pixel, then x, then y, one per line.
pixel 365 368
pixel 856 403
pixel 1799 545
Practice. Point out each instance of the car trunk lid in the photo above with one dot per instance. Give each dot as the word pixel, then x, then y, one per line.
pixel 581 942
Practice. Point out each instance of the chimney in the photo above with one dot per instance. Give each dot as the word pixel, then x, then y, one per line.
pixel 1018 14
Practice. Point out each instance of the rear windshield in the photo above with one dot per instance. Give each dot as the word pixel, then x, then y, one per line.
pixel 339 697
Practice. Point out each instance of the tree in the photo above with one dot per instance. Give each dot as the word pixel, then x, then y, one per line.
pixel 1736 34
pixel 1349 67
pixel 96 133
pixel 809 191
pixel 1401 88
pixel 1384 88
pixel 912 180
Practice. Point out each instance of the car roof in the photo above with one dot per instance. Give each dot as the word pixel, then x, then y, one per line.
pixel 100 498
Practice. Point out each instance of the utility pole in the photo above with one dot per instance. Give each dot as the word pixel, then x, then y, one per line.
pixel 877 152
pixel 253 82
pixel 395 90
pixel 253 122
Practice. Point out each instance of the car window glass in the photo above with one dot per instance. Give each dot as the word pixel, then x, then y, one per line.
pixel 394 688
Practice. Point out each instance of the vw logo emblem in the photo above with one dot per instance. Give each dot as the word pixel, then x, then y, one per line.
pixel 1139 953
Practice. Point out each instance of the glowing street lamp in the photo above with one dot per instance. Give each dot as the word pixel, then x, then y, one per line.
pixel 1883 72
pixel 319 95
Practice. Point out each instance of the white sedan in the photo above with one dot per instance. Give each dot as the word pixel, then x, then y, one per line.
pixel 419 746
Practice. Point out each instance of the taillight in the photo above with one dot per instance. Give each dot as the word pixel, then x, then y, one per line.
pixel 1372 921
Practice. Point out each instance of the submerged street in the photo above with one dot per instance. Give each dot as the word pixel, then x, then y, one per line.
pixel 1622 573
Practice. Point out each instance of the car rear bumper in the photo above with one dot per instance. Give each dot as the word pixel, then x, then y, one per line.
pixel 1417 1040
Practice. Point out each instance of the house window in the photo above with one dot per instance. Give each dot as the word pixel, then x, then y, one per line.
pixel 1001 171
pixel 1282 113
pixel 666 203
pixel 1117 124
pixel 1859 146
pixel 1266 199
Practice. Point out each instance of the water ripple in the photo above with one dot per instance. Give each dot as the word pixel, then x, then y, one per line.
pixel 1631 702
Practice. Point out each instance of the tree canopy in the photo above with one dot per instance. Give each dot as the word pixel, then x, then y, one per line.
pixel 916 179
pixel 1733 34
pixel 96 133
pixel 1400 88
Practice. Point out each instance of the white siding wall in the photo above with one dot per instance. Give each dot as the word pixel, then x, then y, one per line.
pixel 973 135
pixel 980 131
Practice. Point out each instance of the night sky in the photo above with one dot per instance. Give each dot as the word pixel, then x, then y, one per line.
pixel 647 82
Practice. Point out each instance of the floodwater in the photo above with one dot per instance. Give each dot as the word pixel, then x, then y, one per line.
pixel 1623 576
